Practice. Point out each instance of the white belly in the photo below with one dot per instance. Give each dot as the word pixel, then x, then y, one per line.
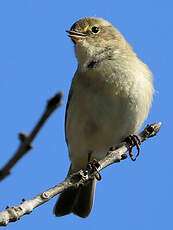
pixel 100 117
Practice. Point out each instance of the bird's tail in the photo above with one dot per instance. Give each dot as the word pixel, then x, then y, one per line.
pixel 77 200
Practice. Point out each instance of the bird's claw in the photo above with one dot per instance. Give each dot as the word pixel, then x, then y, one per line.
pixel 133 140
pixel 95 165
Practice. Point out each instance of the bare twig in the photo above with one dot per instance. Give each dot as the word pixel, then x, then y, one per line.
pixel 26 140
pixel 12 214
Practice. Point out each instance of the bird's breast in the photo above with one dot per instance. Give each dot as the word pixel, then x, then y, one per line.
pixel 104 108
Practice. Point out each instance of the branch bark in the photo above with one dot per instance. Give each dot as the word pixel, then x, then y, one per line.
pixel 12 214
pixel 26 140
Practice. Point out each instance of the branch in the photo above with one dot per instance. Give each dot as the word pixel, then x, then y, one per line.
pixel 26 140
pixel 12 214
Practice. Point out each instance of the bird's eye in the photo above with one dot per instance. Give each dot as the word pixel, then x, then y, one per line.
pixel 95 29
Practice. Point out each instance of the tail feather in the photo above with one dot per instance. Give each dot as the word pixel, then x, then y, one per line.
pixel 65 202
pixel 84 200
pixel 78 201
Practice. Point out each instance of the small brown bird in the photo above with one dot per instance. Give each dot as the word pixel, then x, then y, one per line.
pixel 109 99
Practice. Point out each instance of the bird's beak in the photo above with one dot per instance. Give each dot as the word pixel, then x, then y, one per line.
pixel 75 36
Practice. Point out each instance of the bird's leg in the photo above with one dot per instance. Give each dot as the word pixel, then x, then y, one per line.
pixel 94 165
pixel 133 140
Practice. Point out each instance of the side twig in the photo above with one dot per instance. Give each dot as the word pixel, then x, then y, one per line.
pixel 12 214
pixel 26 140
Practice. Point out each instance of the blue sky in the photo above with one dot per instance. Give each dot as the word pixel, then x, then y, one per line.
pixel 36 61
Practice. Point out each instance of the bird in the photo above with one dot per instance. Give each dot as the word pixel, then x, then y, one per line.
pixel 110 98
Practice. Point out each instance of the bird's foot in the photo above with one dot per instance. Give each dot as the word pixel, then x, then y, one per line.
pixel 94 165
pixel 133 140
